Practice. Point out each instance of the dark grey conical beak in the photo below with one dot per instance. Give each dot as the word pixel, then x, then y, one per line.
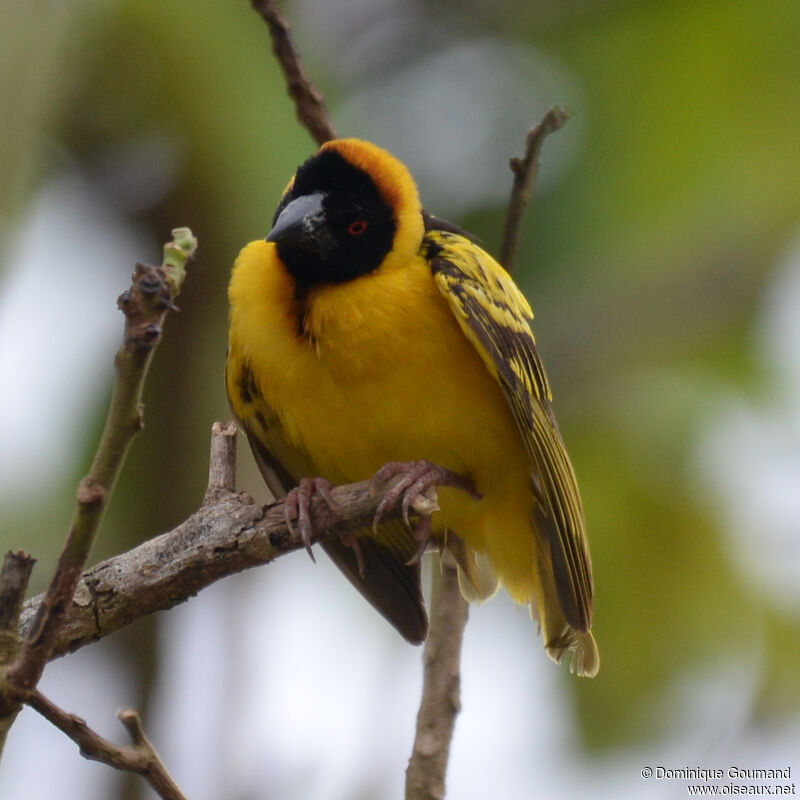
pixel 302 224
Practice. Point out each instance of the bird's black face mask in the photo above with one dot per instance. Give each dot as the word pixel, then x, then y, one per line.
pixel 333 225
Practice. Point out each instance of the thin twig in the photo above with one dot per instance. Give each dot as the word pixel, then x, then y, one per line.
pixel 14 577
pixel 225 536
pixel 145 306
pixel 139 757
pixel 525 170
pixel 309 105
pixel 441 695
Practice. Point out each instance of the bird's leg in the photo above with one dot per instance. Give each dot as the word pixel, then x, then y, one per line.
pixel 417 486
pixel 297 507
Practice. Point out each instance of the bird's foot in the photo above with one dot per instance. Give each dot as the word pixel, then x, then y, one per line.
pixel 416 490
pixel 297 507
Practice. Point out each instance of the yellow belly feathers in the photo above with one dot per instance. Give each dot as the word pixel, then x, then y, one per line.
pixel 382 372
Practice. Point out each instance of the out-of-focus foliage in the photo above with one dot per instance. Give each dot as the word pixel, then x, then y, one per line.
pixel 664 207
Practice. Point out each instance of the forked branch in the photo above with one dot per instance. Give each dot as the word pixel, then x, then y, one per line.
pixel 227 534
pixel 139 756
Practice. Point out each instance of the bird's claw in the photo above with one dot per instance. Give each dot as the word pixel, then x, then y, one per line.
pixel 351 540
pixel 417 487
pixel 297 507
pixel 422 533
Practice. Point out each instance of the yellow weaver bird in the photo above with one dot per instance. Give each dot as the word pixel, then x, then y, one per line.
pixel 368 337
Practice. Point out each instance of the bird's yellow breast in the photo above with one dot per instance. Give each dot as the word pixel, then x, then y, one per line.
pixel 377 370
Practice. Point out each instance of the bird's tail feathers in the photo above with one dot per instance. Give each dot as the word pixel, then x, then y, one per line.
pixel 585 655
pixel 559 635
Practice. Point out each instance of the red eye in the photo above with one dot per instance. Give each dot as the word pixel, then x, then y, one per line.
pixel 357 228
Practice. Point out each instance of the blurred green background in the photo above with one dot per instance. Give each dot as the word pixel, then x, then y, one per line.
pixel 661 255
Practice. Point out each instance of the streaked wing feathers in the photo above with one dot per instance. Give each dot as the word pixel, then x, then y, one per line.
pixel 494 316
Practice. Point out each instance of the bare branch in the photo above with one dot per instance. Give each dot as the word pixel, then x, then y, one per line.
pixel 525 170
pixel 309 105
pixel 145 306
pixel 222 537
pixel 441 690
pixel 139 757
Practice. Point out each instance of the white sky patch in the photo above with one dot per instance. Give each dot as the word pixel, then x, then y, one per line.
pixel 749 454
pixel 70 259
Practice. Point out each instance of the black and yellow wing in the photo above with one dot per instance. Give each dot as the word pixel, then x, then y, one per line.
pixel 391 586
pixel 494 316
